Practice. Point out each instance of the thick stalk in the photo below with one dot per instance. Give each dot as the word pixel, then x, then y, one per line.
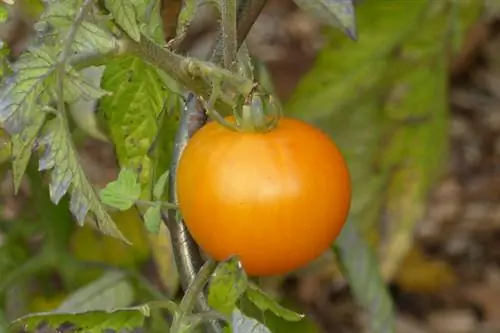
pixel 186 252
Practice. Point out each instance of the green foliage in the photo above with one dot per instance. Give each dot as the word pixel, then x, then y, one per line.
pixel 227 285
pixel 123 192
pixel 134 112
pixel 124 14
pixel 89 322
pixel 152 218
pixel 262 301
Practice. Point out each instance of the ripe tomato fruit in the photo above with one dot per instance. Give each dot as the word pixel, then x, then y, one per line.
pixel 276 199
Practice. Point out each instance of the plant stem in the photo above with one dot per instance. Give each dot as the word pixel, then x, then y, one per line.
pixel 193 74
pixel 190 298
pixel 186 251
pixel 229 35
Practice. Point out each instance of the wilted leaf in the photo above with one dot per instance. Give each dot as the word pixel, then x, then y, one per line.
pixel 360 266
pixel 227 284
pixel 60 156
pixel 23 146
pixel 123 12
pixel 332 12
pixel 152 219
pixel 261 300
pixel 109 292
pixel 123 192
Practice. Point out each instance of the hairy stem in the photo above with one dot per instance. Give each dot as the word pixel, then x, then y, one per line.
pixel 229 32
pixel 192 73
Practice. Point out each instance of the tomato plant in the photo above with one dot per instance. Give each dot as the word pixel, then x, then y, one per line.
pixel 277 199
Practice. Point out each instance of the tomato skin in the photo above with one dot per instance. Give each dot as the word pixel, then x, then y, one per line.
pixel 277 200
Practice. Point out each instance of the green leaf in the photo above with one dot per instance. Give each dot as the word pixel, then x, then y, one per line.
pixel 261 300
pixel 88 322
pixel 123 12
pixel 23 145
pixel 123 192
pixel 20 100
pixel 60 156
pixel 150 20
pixel 160 185
pixel 79 87
pixel 21 93
pixel 333 12
pixel 133 113
pixel 152 219
pixel 243 324
pixel 110 291
pixel 91 36
pixel 227 285
pixel 360 267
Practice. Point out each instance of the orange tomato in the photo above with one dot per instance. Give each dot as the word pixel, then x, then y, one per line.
pixel 277 199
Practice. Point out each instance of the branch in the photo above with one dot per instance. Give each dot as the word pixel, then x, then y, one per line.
pixel 186 251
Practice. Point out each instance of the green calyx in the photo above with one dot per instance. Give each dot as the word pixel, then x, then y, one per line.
pixel 261 114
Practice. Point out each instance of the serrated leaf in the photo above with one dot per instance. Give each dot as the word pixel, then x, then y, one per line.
pixel 88 322
pixel 123 192
pixel 60 156
pixel 20 94
pixel 360 267
pixel 78 87
pixel 120 319
pixel 20 100
pixel 243 324
pixel 160 185
pixel 333 12
pixel 23 145
pixel 110 291
pixel 152 219
pixel 226 286
pixel 133 112
pixel 123 12
pixel 90 37
pixel 261 300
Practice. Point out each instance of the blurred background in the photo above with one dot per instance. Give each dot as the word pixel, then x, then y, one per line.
pixel 414 104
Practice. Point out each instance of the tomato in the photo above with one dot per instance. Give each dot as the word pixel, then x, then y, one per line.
pixel 276 199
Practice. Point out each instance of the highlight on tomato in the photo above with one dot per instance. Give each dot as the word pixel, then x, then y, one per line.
pixel 277 198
